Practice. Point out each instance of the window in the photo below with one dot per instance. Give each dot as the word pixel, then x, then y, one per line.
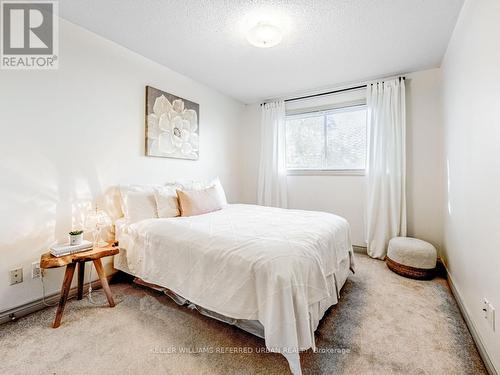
pixel 327 140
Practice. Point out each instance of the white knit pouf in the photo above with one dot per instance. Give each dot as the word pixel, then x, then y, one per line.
pixel 411 257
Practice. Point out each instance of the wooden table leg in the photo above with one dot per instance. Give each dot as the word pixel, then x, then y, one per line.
pixel 68 277
pixel 104 281
pixel 81 275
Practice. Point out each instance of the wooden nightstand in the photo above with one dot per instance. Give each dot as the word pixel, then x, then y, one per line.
pixel 70 261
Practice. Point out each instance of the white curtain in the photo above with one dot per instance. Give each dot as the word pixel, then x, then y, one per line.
pixel 386 205
pixel 272 173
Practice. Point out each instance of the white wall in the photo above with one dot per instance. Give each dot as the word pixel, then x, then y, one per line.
pixel 69 135
pixel 250 151
pixel 424 156
pixel 471 97
pixel 345 195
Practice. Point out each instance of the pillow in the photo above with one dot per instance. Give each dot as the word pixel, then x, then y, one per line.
pixel 125 190
pixel 220 190
pixel 200 185
pixel 166 201
pixel 188 185
pixel 197 202
pixel 140 205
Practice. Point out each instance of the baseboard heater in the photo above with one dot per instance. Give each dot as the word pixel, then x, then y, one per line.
pixel 38 304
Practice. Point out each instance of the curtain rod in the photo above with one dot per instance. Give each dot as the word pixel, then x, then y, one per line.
pixel 326 93
pixel 331 92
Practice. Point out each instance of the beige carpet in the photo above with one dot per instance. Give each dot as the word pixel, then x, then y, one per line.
pixel 386 324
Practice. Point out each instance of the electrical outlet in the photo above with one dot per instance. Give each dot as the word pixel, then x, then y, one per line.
pixel 16 276
pixel 35 270
pixel 489 313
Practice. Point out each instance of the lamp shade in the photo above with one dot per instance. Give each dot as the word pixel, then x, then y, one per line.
pixel 97 219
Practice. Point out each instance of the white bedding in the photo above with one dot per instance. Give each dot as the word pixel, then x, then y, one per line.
pixel 246 262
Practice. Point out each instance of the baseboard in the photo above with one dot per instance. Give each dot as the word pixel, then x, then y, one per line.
pixel 38 304
pixel 490 367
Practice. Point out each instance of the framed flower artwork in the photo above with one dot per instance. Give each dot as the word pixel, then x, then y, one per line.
pixel 172 126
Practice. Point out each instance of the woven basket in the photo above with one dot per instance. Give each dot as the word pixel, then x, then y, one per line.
pixel 411 272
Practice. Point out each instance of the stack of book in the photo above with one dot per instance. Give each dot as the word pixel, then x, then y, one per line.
pixel 67 249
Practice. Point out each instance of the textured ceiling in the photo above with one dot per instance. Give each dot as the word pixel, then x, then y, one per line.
pixel 326 42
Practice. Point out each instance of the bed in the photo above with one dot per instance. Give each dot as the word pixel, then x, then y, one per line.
pixel 270 271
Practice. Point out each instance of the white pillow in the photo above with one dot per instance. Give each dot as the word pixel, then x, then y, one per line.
pixel 140 205
pixel 125 190
pixel 166 201
pixel 187 185
pixel 220 191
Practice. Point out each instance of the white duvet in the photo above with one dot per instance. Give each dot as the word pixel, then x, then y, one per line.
pixel 246 262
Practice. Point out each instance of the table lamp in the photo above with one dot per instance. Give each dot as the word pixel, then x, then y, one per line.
pixel 96 220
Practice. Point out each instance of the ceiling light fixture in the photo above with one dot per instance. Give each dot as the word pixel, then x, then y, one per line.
pixel 264 35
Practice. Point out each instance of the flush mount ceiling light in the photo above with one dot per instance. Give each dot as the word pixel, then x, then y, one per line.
pixel 264 35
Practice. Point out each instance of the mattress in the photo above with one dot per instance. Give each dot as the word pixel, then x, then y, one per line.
pixel 280 268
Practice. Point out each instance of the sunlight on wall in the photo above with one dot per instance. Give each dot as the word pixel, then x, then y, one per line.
pixel 75 133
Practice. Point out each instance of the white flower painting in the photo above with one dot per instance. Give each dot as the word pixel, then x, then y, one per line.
pixel 172 127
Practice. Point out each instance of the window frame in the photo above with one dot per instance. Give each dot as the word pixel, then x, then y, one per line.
pixel 326 171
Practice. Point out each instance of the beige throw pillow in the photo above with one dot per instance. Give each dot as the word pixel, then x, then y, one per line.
pixel 200 185
pixel 197 202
